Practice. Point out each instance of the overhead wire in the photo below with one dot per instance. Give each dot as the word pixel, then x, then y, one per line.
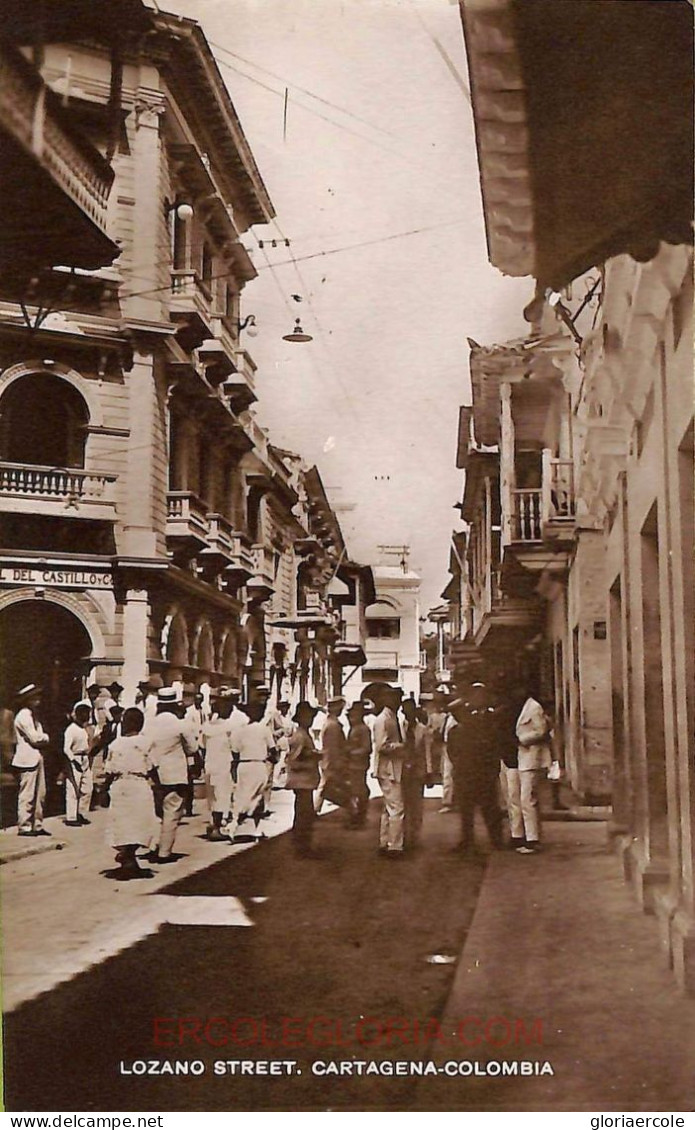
pixel 338 125
pixel 318 254
pixel 310 93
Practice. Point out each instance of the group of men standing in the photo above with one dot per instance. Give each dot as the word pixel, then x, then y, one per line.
pixel 243 753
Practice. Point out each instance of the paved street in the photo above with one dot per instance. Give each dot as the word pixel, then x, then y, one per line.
pixel 262 936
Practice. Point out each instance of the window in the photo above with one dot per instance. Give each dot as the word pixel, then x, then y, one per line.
pixel 384 628
pixel 179 239
pixel 206 265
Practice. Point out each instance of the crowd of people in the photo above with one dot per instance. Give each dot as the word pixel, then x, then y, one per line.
pixel 143 761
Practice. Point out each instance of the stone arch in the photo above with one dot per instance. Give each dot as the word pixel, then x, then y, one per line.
pixel 228 662
pixel 384 606
pixel 203 646
pixel 175 646
pixel 70 603
pixel 85 388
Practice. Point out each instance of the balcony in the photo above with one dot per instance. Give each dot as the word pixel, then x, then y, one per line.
pixel 263 564
pixel 190 304
pixel 538 525
pixel 187 524
pixel 226 552
pixel 59 492
pixel 526 515
pixel 46 160
pixel 218 551
pixel 218 353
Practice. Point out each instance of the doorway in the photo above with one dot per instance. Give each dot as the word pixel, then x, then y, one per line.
pixel 43 643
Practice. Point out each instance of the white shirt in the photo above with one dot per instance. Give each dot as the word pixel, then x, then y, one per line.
pixel 237 722
pixel 76 744
pixel 217 735
pixel 29 731
pixel 317 727
pixel 171 740
pixel 197 716
pixel 254 742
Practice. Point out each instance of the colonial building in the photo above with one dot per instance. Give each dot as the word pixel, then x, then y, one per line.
pixel 588 167
pixel 392 627
pixel 147 523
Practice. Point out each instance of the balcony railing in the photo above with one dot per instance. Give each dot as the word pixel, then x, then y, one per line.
pixel 558 489
pixel 526 515
pixel 263 564
pixel 190 297
pixel 186 517
pixel 33 117
pixel 539 513
pixel 33 488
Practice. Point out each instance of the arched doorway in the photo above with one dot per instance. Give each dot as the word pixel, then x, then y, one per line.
pixel 44 643
pixel 43 422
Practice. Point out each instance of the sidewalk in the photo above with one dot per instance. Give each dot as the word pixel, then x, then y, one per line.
pixel 62 915
pixel 558 937
pixel 555 938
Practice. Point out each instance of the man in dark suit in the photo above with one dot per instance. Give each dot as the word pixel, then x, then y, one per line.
pixel 473 747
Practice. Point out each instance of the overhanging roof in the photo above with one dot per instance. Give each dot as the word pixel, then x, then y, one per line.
pixel 535 357
pixel 192 66
pixel 584 126
pixel 56 21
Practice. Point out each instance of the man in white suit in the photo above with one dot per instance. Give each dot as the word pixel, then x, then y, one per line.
pixel 533 733
pixel 387 766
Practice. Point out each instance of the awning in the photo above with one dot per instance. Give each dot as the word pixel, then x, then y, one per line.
pixel 584 126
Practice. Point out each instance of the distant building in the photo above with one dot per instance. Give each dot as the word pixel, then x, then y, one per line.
pixel 392 629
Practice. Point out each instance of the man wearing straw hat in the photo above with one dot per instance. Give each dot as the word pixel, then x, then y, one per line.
pixel 28 760
pixel 173 741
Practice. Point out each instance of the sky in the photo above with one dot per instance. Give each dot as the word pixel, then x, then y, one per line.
pixel 377 151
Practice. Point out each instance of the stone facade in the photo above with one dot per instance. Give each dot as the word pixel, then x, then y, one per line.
pixel 148 524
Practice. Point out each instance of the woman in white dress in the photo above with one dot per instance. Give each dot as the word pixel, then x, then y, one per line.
pixel 129 770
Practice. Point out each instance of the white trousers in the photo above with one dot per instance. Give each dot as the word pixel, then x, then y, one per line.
pixel 218 791
pixel 32 793
pixel 78 794
pixel 512 786
pixel 172 811
pixel 530 811
pixel 252 780
pixel 447 781
pixel 392 827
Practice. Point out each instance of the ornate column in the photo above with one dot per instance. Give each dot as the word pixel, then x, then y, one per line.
pixel 507 478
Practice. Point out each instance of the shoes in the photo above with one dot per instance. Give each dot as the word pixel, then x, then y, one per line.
pixel 528 849
pixel 82 820
pixel 445 808
pixel 516 842
pixel 216 836
pixel 155 857
pixel 41 832
pixel 72 823
pixel 265 815
pixel 28 832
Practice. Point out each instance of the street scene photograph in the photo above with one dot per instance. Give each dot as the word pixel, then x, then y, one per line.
pixel 347 555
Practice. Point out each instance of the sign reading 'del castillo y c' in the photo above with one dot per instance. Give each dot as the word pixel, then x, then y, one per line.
pixel 56 577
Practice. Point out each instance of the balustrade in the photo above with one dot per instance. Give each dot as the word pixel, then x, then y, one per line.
pixel 54 482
